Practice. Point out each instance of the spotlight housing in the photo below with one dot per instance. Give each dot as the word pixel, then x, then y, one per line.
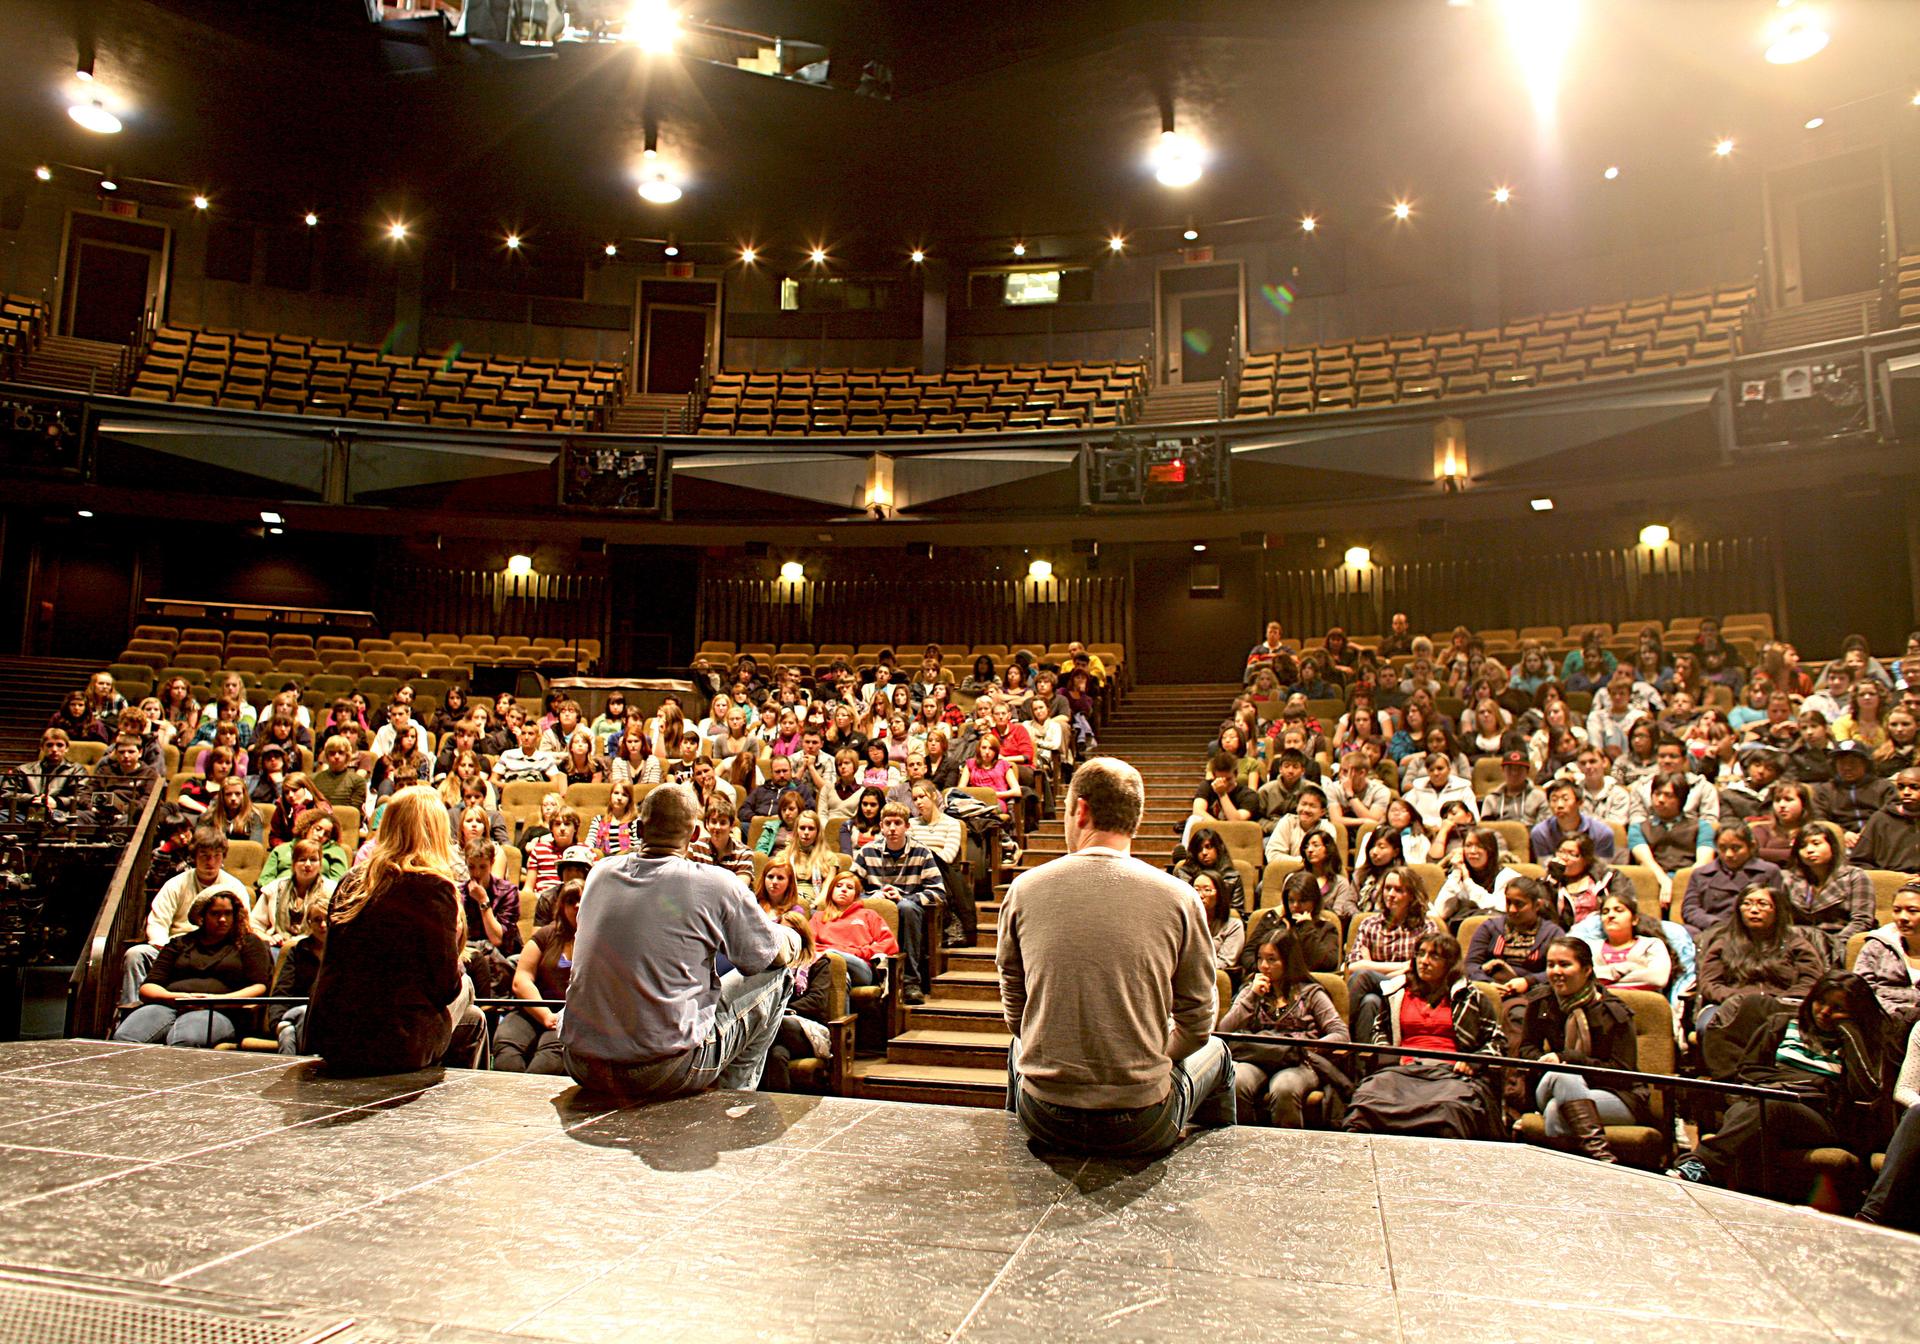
pixel 44 173
pixel 200 202
pixel 1040 570
pixel 1308 223
pixel 1176 160
pixel 310 219
pixel 660 190
pixel 93 116
pixel 792 572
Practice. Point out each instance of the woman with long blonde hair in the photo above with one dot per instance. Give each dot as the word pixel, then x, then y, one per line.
pixel 811 858
pixel 391 996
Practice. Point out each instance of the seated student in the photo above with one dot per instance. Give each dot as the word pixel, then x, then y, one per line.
pixel 846 928
pixel 1748 966
pixel 1716 887
pixel 337 780
pixel 1635 951
pixel 1789 808
pixel 1566 818
pixel 314 824
pixel 61 782
pixel 1894 1200
pixel 492 915
pixel 1477 881
pixel 1440 787
pixel 219 956
pixel 1854 793
pixel 78 722
pixel 1826 892
pixel 1829 1051
pixel 764 801
pixel 1355 794
pixel 1280 999
pixel 717 839
pixel 1206 852
pixel 542 855
pixel 862 827
pixel 907 874
pixel 528 1041
pixel 525 760
pixel 1510 949
pixel 295 968
pixel 1574 1019
pixel 803 1032
pixel 279 913
pixel 1601 796
pixel 1383 943
pixel 1517 798
pixel 1579 879
pixel 576 861
pixel 1901 750
pixel 170 916
pixel 1298 915
pixel 1890 959
pixel 1890 838
pixel 236 814
pixel 1321 859
pixel 1407 831
pixel 1228 931
pixel 1430 1006
pixel 1309 817
pixel 123 773
pixel 1665 840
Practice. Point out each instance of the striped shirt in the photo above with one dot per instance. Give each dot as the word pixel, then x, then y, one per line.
pixel 911 868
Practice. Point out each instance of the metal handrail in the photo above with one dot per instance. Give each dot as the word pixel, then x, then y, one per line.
pixel 93 989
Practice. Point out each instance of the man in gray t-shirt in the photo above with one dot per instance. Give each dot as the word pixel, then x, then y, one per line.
pixel 1107 983
pixel 649 1012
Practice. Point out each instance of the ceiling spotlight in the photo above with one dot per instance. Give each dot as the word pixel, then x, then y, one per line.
pixel 276 531
pixel 1402 211
pixel 1019 249
pixel 1358 557
pixel 1501 195
pixel 817 255
pixel 270 517
pixel 1815 123
pixel 793 571
pixel 1542 505
pixel 84 513
pixel 1655 535
pixel 917 256
pixel 672 249
pixel 199 202
pixel 747 255
pixel 651 25
pixel 84 70
pixel 1915 100
pixel 1199 548
pixel 1116 244
pixel 397 231
pixel 1308 224
pixel 1190 234
pixel 659 190
pixel 519 565
pixel 1796 35
pixel 1613 171
pixel 1176 160
pixel 513 242
pixel 310 218
pixel 94 117
pixel 108 182
pixel 44 173
pixel 1723 146
pixel 612 249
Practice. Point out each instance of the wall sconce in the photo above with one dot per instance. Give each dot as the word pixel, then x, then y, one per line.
pixel 1040 571
pixel 878 498
pixel 793 572
pixel 1655 535
pixel 1358 557
pixel 519 565
pixel 1450 454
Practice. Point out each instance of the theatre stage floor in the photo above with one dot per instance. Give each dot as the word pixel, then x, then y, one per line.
pixel 170 1194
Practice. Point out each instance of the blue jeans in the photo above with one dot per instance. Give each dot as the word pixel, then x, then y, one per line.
pixel 745 1023
pixel 194 1027
pixel 913 942
pixel 860 971
pixel 1554 1088
pixel 1363 992
pixel 1200 1092
pixel 1894 1200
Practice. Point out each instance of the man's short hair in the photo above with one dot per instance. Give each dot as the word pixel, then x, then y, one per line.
pixel 479 854
pixel 1293 756
pixel 1313 791
pixel 209 838
pixel 338 742
pixel 896 810
pixel 667 816
pixel 1113 791
pixel 126 740
pixel 1561 786
pixel 1222 764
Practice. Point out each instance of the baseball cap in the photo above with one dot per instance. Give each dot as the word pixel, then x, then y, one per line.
pixel 580 854
pixel 1851 747
pixel 1515 758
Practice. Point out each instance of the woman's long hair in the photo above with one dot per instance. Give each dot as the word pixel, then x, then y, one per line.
pixel 412 840
pixel 1747 952
pixel 1836 846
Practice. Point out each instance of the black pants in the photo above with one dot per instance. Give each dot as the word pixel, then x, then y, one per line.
pixel 1735 1156
pixel 521 1045
pixel 791 1044
pixel 961 900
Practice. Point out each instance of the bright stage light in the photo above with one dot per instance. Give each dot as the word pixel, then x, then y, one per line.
pixel 1541 32
pixel 1308 224
pixel 1796 35
pixel 1176 160
pixel 1655 535
pixel 1501 195
pixel 1358 557
pixel 659 190
pixel 651 25
pixel 94 117
pixel 1402 211
pixel 1723 146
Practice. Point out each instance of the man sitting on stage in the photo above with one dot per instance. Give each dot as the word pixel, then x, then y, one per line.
pixel 1097 953
pixel 649 1013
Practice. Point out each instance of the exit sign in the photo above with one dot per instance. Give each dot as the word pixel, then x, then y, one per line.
pixel 1194 255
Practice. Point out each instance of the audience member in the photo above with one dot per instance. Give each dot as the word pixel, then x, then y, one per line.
pixel 1889 839
pixel 1271 1082
pixel 1715 887
pixel 1429 1005
pixel 217 957
pixel 1382 944
pixel 1575 1019
pixel 528 1041
pixel 1889 959
pixel 1566 817
pixel 1894 1200
pixel 1854 793
pixel 1440 787
pixel 279 912
pixel 906 873
pixel 1298 915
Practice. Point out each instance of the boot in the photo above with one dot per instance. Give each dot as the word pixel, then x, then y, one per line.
pixel 1589 1135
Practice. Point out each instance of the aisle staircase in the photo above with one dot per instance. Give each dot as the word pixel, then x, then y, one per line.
pixel 1181 404
pixel 30 691
pixel 954 1048
pixel 649 413
pixel 76 365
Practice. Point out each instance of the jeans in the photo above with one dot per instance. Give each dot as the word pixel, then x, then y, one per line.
pixel 913 941
pixel 290 1027
pixel 733 1055
pixel 521 1045
pixel 133 971
pixel 1363 992
pixel 1555 1088
pixel 1281 1091
pixel 1894 1200
pixel 1200 1092
pixel 860 971
pixel 194 1027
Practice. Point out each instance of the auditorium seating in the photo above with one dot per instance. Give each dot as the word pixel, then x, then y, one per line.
pixel 1906 291
pixel 23 322
pixel 969 398
pixel 956 659
pixel 309 375
pixel 1585 344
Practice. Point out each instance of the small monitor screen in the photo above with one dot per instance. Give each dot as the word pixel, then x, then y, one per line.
pixel 1027 287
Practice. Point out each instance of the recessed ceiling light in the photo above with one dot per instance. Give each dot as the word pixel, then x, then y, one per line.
pixel 311 219
pixel 1795 36
pixel 1815 123
pixel 1190 234
pixel 94 117
pixel 1308 224
pixel 1402 211
pixel 613 249
pixel 1502 194
pixel 1542 505
pixel 659 190
pixel 200 202
pixel 1019 249
pixel 748 255
pixel 916 256
pixel 44 173
pixel 1613 171
pixel 817 255
pixel 269 516
pixel 1723 146
pixel 84 513
pixel 513 242
pixel 1116 244
pixel 397 230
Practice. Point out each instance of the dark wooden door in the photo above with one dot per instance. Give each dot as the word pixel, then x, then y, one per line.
pixel 110 291
pixel 676 343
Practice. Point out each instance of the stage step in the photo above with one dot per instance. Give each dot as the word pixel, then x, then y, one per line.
pixel 883 1080
pixel 951 1049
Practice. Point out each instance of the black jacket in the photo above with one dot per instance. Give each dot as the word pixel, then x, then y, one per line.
pixel 1610 1032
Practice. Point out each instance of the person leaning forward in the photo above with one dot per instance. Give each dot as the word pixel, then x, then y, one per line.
pixel 1098 953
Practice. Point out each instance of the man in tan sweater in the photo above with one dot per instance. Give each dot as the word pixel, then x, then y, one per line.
pixel 1107 983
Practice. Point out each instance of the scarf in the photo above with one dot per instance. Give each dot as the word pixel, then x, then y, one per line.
pixel 1579 1033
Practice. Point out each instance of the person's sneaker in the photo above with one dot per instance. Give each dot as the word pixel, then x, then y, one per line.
pixel 1689 1169
pixel 913 994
